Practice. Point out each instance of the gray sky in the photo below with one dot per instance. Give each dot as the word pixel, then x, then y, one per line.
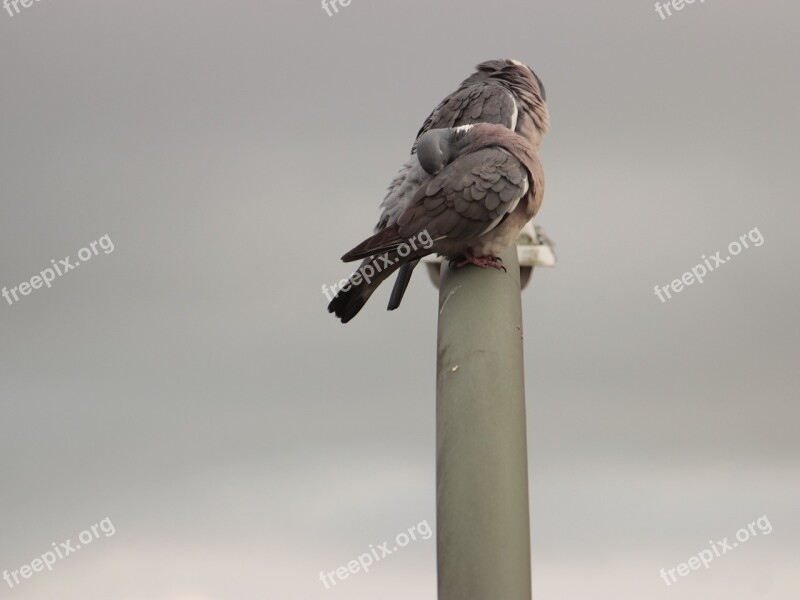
pixel 191 387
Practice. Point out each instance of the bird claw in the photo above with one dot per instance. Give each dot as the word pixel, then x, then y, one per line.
pixel 481 261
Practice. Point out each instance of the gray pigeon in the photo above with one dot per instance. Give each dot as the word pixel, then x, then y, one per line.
pixel 483 183
pixel 505 92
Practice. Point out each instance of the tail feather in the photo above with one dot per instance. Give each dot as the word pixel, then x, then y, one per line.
pixel 384 240
pixel 347 303
pixel 401 284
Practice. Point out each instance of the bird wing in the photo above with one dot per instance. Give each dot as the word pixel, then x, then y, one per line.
pixel 481 102
pixel 485 102
pixel 468 198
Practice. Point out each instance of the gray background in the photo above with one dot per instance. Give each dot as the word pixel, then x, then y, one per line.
pixel 191 386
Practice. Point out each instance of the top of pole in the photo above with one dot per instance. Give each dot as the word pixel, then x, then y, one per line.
pixel 534 249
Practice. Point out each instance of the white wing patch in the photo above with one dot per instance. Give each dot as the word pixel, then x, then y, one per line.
pixel 515 114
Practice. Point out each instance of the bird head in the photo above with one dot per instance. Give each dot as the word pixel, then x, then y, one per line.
pixel 436 148
pixel 519 79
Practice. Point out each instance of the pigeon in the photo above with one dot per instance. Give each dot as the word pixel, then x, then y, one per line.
pixel 484 183
pixel 506 92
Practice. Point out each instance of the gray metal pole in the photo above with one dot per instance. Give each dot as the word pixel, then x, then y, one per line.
pixel 482 520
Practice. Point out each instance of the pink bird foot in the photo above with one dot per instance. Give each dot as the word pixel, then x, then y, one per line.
pixel 481 261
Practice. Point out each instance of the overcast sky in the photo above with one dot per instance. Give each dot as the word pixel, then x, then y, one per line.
pixel 191 387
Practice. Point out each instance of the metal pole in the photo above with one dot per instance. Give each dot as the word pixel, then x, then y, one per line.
pixel 482 519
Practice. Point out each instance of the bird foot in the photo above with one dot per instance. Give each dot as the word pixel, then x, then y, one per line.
pixel 481 261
